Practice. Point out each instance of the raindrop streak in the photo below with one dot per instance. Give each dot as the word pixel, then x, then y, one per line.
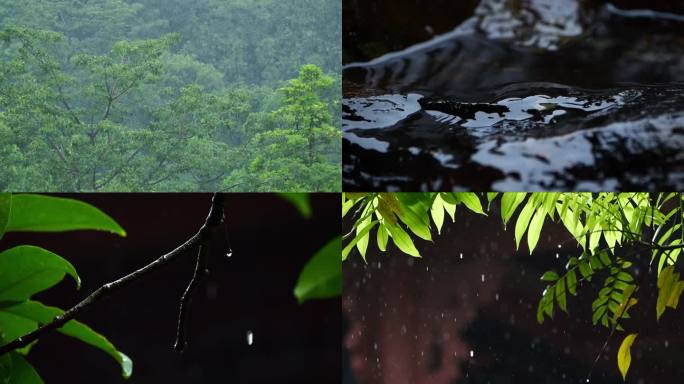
pixel 250 338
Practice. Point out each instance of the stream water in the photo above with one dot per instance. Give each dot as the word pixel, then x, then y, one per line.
pixel 548 95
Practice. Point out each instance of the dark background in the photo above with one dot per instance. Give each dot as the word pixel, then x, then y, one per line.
pixel 415 321
pixel 252 291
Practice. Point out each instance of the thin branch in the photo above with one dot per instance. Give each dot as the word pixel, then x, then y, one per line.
pixel 186 300
pixel 200 239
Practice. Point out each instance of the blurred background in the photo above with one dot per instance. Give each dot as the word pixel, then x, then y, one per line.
pixel 466 313
pixel 248 292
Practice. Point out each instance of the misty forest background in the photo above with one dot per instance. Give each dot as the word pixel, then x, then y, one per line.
pixel 170 95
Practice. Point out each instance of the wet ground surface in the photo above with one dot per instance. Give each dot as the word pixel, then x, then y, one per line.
pixel 533 98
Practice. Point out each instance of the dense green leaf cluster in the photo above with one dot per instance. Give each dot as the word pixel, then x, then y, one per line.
pixel 27 270
pixel 114 95
pixel 614 234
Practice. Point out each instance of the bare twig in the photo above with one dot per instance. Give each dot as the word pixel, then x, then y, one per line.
pixel 186 300
pixel 201 239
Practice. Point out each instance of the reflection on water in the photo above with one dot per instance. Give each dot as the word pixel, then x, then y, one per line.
pixel 502 100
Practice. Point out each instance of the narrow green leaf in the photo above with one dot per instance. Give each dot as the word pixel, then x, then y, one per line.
pixel 585 270
pixel 624 356
pixel 403 240
pixel 450 208
pixel 561 296
pixel 363 238
pixel 42 314
pixel 26 270
pixel 38 213
pixel 321 277
pixel 490 197
pixel 382 237
pixel 471 201
pixel 5 207
pixel 347 204
pixel 301 201
pixel 509 203
pixel 437 211
pixel 535 228
pixel 351 244
pixel 415 224
pixel 523 221
pixel 605 259
pixel 572 282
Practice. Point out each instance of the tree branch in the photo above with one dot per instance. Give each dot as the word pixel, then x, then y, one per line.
pixel 201 239
pixel 186 300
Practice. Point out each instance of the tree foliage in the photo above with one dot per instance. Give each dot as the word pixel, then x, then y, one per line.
pixel 615 234
pixel 111 95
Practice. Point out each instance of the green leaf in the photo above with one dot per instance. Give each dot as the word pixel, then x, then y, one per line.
pixel 5 207
pixel 449 207
pixel 43 314
pixel 669 290
pixel 437 211
pixel 561 296
pixel 38 213
pixel 5 366
pixel 549 276
pixel 322 275
pixel 403 240
pixel 490 197
pixel 624 356
pixel 23 372
pixel 523 221
pixel 362 243
pixel 301 201
pixel 382 238
pixel 471 201
pixel 359 235
pixel 414 222
pixel 509 203
pixel 26 270
pixel 535 228
pixel 572 282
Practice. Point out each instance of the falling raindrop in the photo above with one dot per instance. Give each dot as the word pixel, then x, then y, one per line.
pixel 460 256
pixel 482 277
pixel 375 346
pixel 229 253
pixel 250 338
pixel 557 256
pixel 472 353
pixel 559 247
pixel 496 297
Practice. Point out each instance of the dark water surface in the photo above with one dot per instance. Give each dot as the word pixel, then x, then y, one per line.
pixel 541 95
